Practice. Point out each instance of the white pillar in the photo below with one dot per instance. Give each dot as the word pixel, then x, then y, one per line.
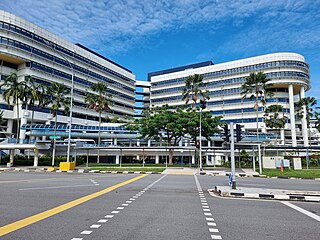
pixel 138 143
pixel 282 137
pixel 9 126
pixel 115 141
pixel 157 158
pixel 193 159
pixel 304 120
pixel 36 158
pixel 292 117
pixel 22 135
pixel 117 159
pixel 149 143
pixel 207 155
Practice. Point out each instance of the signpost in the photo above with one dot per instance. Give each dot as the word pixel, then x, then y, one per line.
pixel 55 137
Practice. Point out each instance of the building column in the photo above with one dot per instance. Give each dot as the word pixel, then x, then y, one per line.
pixel 207 155
pixel 149 143
pixel 10 126
pixel 282 137
pixel 292 116
pixel 304 120
pixel 36 158
pixel 117 158
pixel 157 158
pixel 193 159
pixel 115 141
pixel 22 134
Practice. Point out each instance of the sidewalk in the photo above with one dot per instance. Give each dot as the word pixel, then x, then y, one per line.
pixel 263 193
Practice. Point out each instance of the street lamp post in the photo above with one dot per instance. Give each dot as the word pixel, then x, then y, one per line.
pixel 70 115
pixel 71 98
pixel 200 142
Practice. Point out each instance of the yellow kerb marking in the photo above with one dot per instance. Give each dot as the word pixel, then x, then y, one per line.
pixel 40 216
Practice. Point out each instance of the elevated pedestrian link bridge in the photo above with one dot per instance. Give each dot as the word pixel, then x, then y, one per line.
pixel 118 132
pixel 79 131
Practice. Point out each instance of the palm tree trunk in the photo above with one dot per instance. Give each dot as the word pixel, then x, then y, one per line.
pixel 32 116
pixel 30 131
pixel 54 140
pixel 98 160
pixel 18 122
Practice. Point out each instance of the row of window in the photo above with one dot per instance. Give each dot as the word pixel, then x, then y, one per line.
pixel 41 67
pixel 242 110
pixel 231 101
pixel 81 93
pixel 22 46
pixel 37 38
pixel 233 81
pixel 74 114
pixel 247 120
pixel 246 69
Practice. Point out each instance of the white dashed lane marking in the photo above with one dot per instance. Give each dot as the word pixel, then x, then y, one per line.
pixel 207 212
pixel 108 217
pixel 103 221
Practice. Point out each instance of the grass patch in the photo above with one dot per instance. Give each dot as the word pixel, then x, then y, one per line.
pixel 122 169
pixel 308 174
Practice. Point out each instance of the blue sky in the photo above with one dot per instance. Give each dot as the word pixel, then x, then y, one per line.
pixel 152 35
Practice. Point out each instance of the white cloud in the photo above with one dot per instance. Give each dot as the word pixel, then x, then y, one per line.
pixel 104 22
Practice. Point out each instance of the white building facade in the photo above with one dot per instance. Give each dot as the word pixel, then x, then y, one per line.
pixel 288 72
pixel 28 50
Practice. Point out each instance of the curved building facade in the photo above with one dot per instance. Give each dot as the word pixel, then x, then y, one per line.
pixel 27 49
pixel 289 74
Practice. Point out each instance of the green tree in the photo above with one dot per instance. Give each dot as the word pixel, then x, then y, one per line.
pixel 244 157
pixel 100 101
pixel 193 89
pixel 172 124
pixel 14 92
pixel 256 85
pixel 58 101
pixel 273 118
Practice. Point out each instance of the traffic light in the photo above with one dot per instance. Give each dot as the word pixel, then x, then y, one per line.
pixel 52 144
pixel 238 132
pixel 226 133
pixel 203 103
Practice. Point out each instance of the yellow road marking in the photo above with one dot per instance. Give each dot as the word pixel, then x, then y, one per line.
pixel 43 215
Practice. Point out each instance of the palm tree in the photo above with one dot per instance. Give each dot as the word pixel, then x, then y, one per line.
pixel 99 101
pixel 256 85
pixel 59 100
pixel 273 119
pixel 14 92
pixel 35 97
pixel 305 108
pixel 308 104
pixel 193 91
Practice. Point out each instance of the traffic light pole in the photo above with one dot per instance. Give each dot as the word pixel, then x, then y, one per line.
pixel 200 143
pixel 233 165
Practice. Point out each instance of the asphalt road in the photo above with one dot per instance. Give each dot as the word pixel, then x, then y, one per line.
pixel 95 206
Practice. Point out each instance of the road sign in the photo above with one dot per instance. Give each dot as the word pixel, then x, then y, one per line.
pixel 55 137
